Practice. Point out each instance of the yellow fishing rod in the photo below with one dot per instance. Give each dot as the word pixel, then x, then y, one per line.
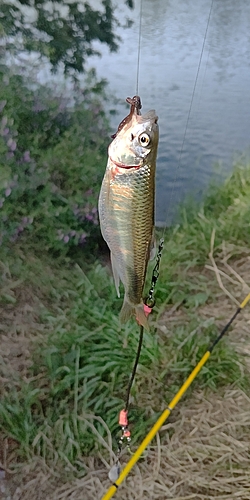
pixel 112 490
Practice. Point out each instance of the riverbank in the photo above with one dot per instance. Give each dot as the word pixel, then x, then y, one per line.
pixel 65 363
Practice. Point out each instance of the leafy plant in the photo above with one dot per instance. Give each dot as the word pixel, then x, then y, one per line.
pixel 52 160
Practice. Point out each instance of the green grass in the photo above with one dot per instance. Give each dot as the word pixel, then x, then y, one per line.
pixel 226 209
pixel 74 386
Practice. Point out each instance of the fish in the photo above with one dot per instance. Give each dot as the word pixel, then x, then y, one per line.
pixel 126 205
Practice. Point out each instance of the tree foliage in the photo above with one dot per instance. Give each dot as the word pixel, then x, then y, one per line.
pixel 64 32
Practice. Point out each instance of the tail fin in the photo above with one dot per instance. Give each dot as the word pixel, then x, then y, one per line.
pixel 128 311
pixel 141 317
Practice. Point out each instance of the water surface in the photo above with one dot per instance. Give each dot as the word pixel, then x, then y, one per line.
pixel 176 42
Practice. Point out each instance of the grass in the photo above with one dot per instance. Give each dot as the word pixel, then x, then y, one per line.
pixel 226 210
pixel 61 316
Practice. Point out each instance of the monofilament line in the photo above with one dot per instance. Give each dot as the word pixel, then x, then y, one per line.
pixel 139 51
pixel 134 368
pixel 141 328
pixel 189 111
pixel 196 80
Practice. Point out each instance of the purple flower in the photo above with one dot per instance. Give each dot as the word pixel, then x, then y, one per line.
pixel 82 237
pixel 13 146
pixel 4 121
pixel 5 131
pixel 2 104
pixel 89 217
pixel 7 192
pixel 66 239
pixel 26 156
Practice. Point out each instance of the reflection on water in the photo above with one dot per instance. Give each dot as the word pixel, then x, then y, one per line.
pixel 171 44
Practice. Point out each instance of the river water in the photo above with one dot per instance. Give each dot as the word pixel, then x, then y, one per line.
pixel 196 75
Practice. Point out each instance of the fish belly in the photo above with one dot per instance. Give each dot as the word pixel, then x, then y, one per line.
pixel 126 211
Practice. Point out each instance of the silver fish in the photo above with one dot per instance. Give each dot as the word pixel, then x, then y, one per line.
pixel 126 205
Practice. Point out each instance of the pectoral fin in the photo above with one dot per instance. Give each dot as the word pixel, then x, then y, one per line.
pixel 115 273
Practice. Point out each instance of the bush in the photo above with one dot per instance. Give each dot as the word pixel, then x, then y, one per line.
pixel 52 159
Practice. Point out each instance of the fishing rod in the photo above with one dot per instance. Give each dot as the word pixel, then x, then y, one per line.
pixel 156 427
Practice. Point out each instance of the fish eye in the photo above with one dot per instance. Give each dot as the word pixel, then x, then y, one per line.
pixel 144 139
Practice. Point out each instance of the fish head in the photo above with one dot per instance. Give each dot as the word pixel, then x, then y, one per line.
pixel 136 142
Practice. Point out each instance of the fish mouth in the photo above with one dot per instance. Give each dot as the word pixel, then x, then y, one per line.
pixel 127 167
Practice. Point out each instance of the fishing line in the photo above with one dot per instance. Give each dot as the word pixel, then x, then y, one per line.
pixel 141 327
pixel 139 51
pixel 114 473
pixel 189 114
pixel 123 416
pixel 149 301
pixel 204 76
pixel 134 368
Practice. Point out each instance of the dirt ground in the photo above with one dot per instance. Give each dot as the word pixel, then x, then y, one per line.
pixel 201 453
pixel 207 457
